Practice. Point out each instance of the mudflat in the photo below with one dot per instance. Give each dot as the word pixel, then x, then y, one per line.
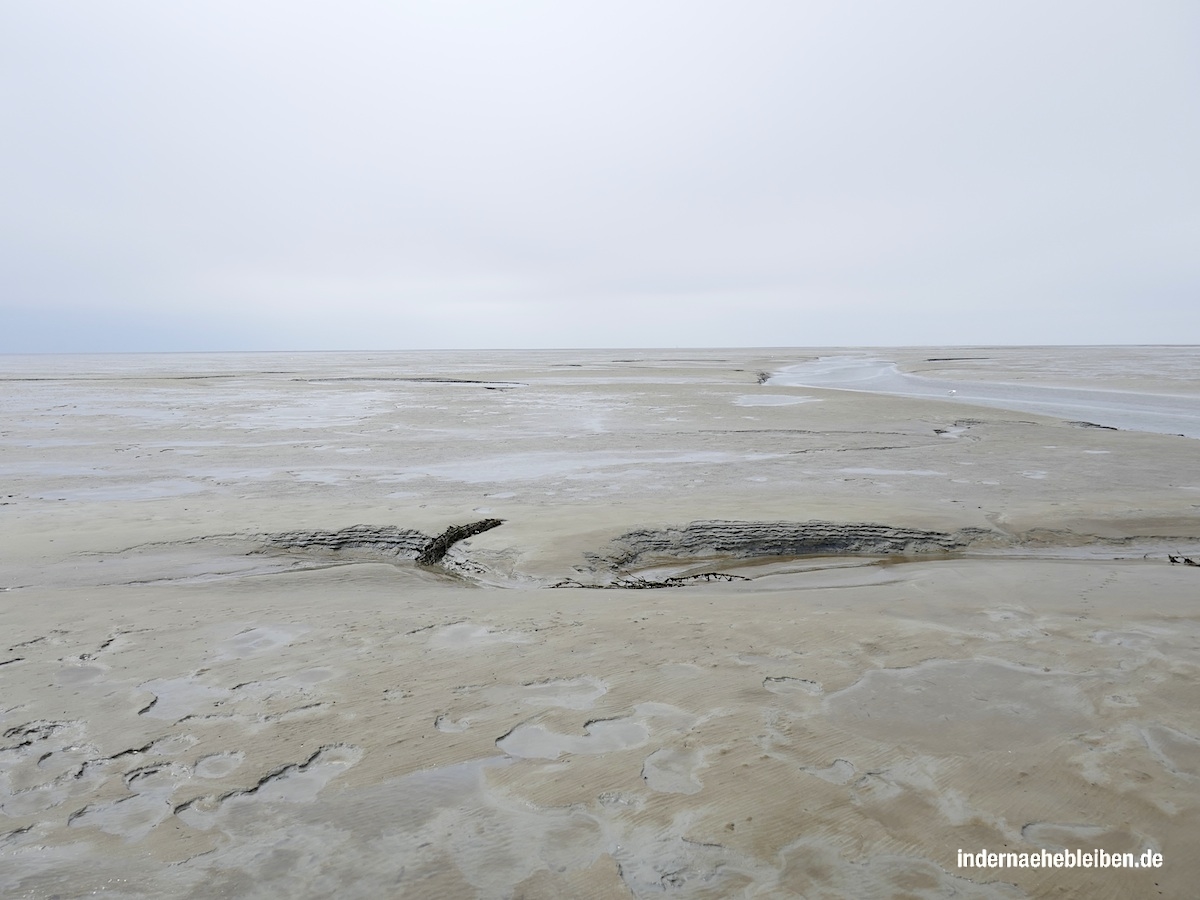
pixel 598 623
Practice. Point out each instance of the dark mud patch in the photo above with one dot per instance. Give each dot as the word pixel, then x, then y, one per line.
pixel 748 540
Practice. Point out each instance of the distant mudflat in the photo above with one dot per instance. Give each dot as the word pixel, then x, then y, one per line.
pixel 757 623
pixel 1167 407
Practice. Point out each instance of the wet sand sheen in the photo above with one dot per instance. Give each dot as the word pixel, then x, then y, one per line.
pixel 1161 411
pixel 194 706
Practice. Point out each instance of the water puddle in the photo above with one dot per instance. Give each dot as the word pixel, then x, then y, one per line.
pixel 956 705
pixel 262 639
pixel 1178 752
pixel 179 697
pixel 567 693
pixel 537 742
pixel 672 771
pixel 772 400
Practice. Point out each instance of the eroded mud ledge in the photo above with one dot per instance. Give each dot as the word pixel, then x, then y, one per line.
pixel 677 549
pixel 746 540
pixel 385 540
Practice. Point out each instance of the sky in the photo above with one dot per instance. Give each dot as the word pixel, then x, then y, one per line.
pixel 371 175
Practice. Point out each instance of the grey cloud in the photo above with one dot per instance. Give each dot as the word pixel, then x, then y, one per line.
pixel 421 174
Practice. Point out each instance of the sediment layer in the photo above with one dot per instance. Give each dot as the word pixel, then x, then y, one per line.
pixel 744 540
pixel 384 540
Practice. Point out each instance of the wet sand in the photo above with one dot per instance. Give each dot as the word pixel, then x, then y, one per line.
pixel 732 638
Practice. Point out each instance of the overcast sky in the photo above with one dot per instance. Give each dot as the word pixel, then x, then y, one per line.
pixel 366 174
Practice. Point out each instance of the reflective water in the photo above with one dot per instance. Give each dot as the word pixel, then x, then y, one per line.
pixel 1125 409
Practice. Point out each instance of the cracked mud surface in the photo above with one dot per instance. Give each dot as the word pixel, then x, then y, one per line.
pixel 895 628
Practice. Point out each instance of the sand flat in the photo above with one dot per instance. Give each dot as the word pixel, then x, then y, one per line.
pixel 939 627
